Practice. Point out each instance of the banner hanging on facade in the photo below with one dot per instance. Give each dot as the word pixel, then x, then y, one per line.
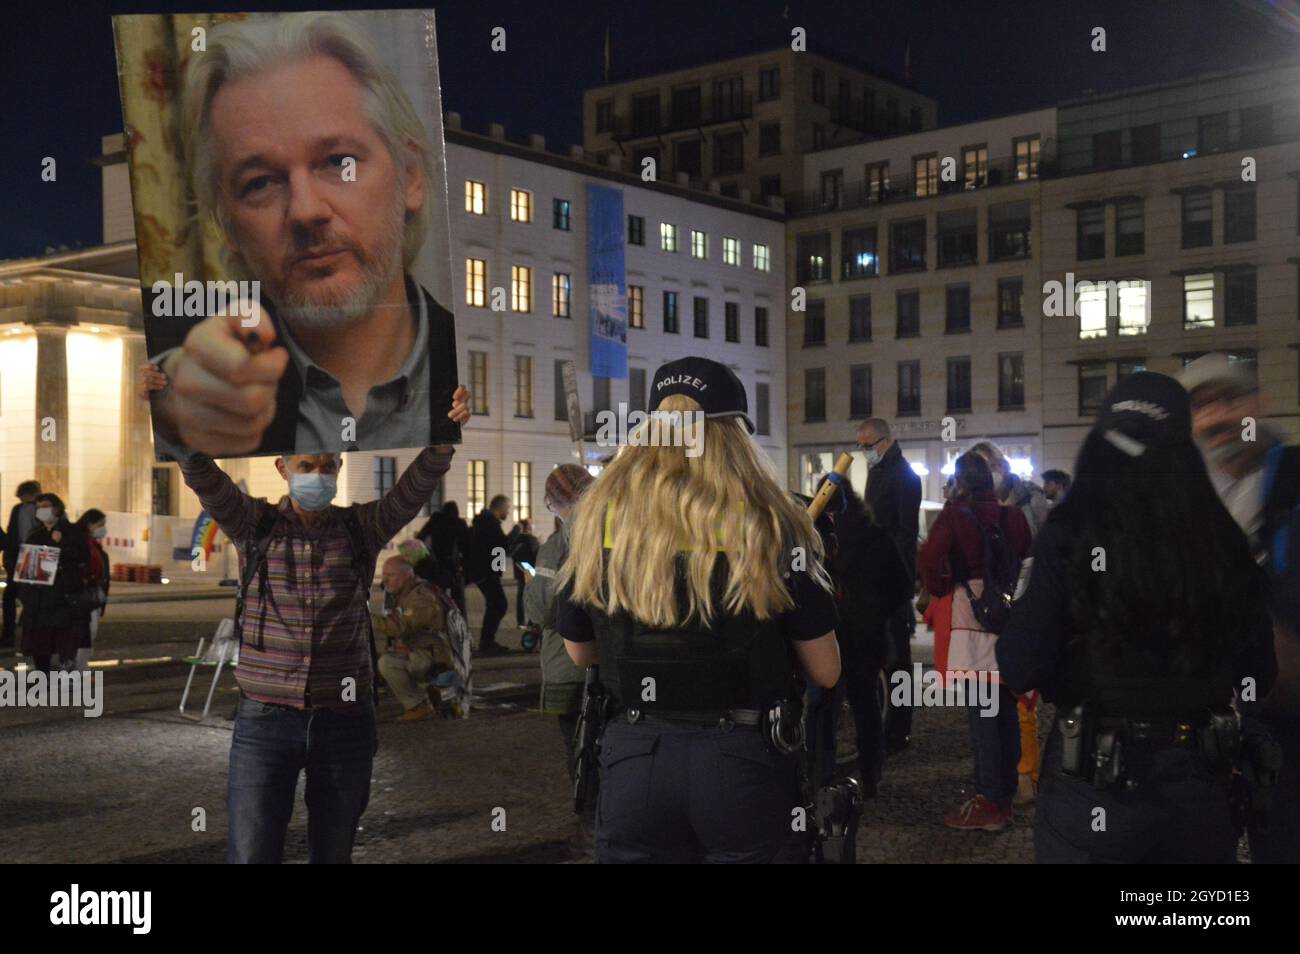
pixel 607 282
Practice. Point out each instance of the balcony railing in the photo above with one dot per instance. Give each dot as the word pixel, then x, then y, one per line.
pixel 1077 156
pixel 856 194
pixel 712 112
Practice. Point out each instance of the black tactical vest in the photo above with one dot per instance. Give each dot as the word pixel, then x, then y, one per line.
pixel 737 662
pixel 1136 684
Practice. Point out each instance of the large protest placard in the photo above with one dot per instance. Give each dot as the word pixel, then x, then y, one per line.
pixel 288 179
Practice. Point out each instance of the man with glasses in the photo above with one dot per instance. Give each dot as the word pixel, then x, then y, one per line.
pixel 893 496
pixel 1257 477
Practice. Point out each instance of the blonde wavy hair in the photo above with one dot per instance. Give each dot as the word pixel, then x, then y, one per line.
pixel 663 504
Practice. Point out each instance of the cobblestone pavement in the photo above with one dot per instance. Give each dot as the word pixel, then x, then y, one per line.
pixel 124 787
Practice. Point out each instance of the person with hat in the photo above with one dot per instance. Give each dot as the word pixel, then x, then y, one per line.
pixel 700 580
pixel 1257 476
pixel 1144 614
pixel 561 679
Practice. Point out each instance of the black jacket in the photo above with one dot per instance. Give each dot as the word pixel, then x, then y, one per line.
pixel 1041 649
pixel 11 539
pixel 51 607
pixel 447 538
pixel 870 575
pixel 485 536
pixel 894 496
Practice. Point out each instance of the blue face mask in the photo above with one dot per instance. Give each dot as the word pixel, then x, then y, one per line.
pixel 313 491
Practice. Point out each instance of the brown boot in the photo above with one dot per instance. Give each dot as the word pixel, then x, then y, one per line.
pixel 418 714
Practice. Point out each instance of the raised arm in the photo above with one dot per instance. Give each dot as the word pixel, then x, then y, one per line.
pixel 383 518
pixel 234 511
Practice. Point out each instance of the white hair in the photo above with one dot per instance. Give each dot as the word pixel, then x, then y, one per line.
pixel 238 49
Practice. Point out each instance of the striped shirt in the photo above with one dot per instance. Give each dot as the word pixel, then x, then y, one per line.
pixel 310 629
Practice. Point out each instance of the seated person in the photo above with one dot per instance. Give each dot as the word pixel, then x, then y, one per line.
pixel 411 636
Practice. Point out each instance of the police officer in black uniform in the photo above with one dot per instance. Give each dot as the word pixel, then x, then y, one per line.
pixel 698 760
pixel 1145 613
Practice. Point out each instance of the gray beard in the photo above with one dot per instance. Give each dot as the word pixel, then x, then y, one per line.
pixel 310 315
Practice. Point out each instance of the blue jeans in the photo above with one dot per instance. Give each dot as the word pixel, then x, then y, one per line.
pixel 997 747
pixel 272 745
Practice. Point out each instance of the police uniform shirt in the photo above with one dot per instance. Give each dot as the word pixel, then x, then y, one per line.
pixel 813 614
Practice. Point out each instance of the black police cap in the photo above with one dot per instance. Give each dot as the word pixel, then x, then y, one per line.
pixel 713 385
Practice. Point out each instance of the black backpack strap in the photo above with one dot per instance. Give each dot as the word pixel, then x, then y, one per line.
pixel 255 549
pixel 364 568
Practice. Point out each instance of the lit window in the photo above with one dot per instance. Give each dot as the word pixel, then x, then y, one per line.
pixel 1090 306
pixel 1198 301
pixel 521 482
pixel 521 288
pixel 521 205
pixel 762 262
pixel 560 288
pixel 925 176
pixel 699 244
pixel 476 483
pixel 668 236
pixel 475 197
pixel 1134 307
pixel 1026 158
pixel 730 250
pixel 635 306
pixel 476 282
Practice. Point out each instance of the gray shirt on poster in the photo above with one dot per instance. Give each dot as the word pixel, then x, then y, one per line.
pixel 322 410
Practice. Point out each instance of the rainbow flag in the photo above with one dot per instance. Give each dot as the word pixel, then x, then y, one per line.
pixel 204 536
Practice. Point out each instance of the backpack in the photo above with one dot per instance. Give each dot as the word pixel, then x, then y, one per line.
pixel 992 607
pixel 1281 530
pixel 255 565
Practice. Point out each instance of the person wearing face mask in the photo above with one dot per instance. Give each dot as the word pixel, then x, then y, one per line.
pixel 305 665
pixel 52 622
pixel 1257 476
pixel 93 527
pixel 893 497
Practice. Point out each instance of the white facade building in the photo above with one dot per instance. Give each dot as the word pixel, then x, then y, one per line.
pixel 71 338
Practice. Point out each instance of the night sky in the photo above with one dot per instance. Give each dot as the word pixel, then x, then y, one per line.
pixel 977 58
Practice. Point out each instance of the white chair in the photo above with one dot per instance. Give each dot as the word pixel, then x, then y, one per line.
pixel 222 651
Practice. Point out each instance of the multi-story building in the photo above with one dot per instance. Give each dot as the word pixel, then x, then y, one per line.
pixel 743 124
pixel 1185 196
pixel 919 258
pixel 704 276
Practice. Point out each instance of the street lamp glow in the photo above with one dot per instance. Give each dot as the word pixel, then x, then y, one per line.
pixel 920 470
pixel 1021 466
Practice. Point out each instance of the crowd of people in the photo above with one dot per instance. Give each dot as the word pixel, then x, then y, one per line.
pixel 51 616
pixel 1150 598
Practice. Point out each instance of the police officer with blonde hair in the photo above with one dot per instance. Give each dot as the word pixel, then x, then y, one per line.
pixel 698 577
